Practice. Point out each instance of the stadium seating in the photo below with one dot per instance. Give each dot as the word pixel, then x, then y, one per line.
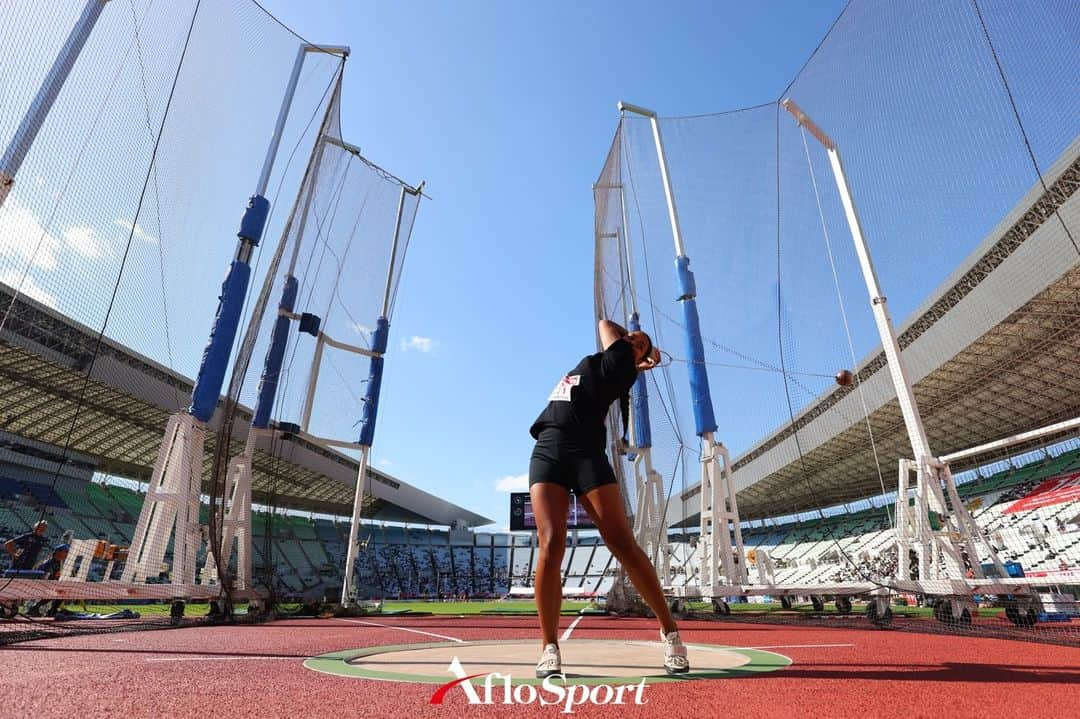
pixel 824 550
pixel 308 555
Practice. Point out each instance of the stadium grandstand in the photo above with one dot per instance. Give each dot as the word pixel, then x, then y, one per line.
pixel 300 548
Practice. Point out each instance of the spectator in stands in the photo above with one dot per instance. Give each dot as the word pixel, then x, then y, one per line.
pixel 50 569
pixel 569 456
pixel 25 548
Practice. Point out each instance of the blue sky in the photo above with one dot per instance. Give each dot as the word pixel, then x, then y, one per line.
pixel 507 110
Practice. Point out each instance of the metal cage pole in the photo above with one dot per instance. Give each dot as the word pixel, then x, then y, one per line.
pixel 42 103
pixel 723 558
pixel 370 410
pixel 275 353
pixel 650 499
pixel 932 474
pixel 204 396
pixel 236 522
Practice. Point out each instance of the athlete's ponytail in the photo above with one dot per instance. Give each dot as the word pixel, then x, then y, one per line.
pixel 624 409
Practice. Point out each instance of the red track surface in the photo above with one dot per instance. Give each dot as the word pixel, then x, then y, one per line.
pixel 255 671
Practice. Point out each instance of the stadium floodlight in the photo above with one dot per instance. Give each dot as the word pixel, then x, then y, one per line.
pixel 941 551
pixel 722 559
pixel 42 103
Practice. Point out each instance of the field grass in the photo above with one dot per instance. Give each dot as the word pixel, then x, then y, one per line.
pixel 508 606
pixel 518 607
pixel 156 610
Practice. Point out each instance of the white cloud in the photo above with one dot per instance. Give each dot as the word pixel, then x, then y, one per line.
pixel 385 462
pixel 510 483
pixel 362 329
pixel 29 287
pixel 82 239
pixel 142 234
pixel 24 239
pixel 421 344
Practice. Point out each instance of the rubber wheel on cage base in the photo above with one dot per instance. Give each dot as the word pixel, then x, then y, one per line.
pixel 721 608
pixel 881 621
pixel 818 602
pixel 785 602
pixel 1012 613
pixel 1021 618
pixel 843 605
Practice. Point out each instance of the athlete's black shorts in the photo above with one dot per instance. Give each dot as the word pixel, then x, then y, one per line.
pixel 560 459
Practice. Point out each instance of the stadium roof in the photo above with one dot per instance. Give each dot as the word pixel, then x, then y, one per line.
pixel 127 400
pixel 993 352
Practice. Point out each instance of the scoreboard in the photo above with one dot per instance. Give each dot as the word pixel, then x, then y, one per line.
pixel 523 520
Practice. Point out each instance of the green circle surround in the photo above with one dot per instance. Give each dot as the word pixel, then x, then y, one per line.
pixel 338 663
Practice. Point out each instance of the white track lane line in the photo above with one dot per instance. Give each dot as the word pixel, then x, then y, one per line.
pixel 570 629
pixel 400 629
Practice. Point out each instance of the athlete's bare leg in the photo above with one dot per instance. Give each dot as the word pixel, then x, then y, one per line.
pixel 550 503
pixel 604 504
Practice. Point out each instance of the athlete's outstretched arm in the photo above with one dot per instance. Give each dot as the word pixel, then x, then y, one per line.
pixel 610 333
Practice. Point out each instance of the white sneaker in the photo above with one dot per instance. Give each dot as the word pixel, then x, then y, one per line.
pixel 550 662
pixel 675 659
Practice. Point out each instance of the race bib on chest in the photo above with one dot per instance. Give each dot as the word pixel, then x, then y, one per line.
pixel 561 393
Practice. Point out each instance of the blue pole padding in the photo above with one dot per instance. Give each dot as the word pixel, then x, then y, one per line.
pixel 215 357
pixel 704 419
pixel 204 397
pixel 50 87
pixel 275 354
pixel 639 399
pixel 254 220
pixel 381 336
pixel 374 383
